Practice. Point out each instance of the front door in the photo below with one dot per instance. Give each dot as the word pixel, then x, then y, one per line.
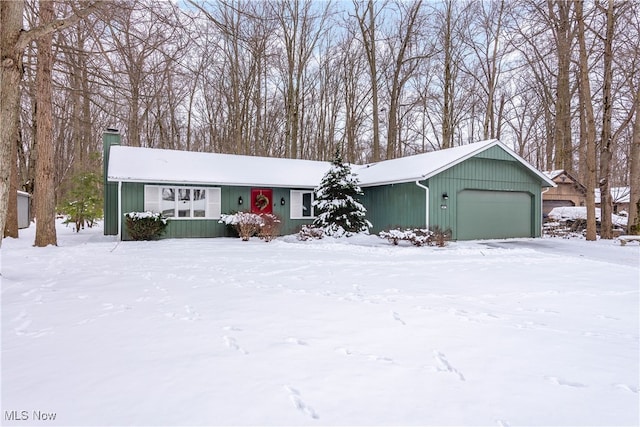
pixel 261 200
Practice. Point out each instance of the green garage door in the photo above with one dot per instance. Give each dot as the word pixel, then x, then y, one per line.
pixel 494 215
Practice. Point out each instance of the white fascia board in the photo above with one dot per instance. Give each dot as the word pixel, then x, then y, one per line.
pixel 197 183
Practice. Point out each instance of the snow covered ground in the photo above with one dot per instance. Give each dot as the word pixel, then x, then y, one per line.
pixel 332 332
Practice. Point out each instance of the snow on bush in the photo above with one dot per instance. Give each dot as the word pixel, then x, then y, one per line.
pixel 270 228
pixel 248 224
pixel 145 225
pixel 416 236
pixel 309 232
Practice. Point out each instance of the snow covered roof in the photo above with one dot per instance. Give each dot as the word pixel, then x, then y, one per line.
pixel 554 173
pixel 426 165
pixel 136 164
pixel 618 194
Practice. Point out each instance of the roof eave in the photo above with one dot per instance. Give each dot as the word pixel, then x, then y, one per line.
pixel 187 182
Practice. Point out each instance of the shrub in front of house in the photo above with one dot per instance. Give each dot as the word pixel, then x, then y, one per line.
pixel 270 228
pixel 440 237
pixel 145 225
pixel 417 236
pixel 310 232
pixel 247 224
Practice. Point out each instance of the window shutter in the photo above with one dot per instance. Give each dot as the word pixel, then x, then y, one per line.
pixel 295 205
pixel 151 198
pixel 214 202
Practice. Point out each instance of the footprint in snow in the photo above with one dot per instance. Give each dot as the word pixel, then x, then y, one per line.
pixel 560 381
pixel 22 329
pixel 604 317
pixel 397 317
pixel 191 313
pixel 627 387
pixel 296 341
pixel 373 357
pixel 232 344
pixel 445 366
pixel 294 396
pixel 19 317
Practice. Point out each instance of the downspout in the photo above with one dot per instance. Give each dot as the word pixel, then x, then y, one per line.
pixel 426 207
pixel 542 210
pixel 119 210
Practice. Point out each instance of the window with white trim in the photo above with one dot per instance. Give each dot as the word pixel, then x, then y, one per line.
pixel 183 202
pixel 301 204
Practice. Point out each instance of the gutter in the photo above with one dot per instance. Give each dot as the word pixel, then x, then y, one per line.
pixel 426 195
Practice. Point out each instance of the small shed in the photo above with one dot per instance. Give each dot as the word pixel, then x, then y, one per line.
pixel 482 190
pixel 569 191
pixel 24 209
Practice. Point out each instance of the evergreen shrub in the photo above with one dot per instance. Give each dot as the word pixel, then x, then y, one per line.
pixel 83 203
pixel 339 212
pixel 145 225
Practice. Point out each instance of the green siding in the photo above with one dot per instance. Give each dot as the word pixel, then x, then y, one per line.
pixel 494 169
pixel 133 201
pixel 395 205
pixel 110 206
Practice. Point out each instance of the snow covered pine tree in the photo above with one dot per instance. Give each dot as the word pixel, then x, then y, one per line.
pixel 339 213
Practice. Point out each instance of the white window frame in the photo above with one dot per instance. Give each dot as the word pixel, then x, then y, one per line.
pixel 296 208
pixel 212 201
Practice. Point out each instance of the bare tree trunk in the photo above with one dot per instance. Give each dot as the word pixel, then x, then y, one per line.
pixel 11 226
pixel 44 197
pixel 367 23
pixel 588 125
pixel 447 101
pixel 606 140
pixel 633 226
pixel 394 148
pixel 562 132
pixel 11 74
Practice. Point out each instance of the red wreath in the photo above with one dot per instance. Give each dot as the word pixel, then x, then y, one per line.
pixel 262 201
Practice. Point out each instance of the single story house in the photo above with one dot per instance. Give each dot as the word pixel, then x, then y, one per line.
pixel 24 208
pixel 478 191
pixel 569 192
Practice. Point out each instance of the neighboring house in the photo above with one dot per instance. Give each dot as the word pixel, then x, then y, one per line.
pixel 620 197
pixel 23 209
pixel 569 192
pixel 481 190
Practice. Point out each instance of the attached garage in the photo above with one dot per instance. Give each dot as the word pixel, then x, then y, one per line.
pixel 494 214
pixel 482 190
